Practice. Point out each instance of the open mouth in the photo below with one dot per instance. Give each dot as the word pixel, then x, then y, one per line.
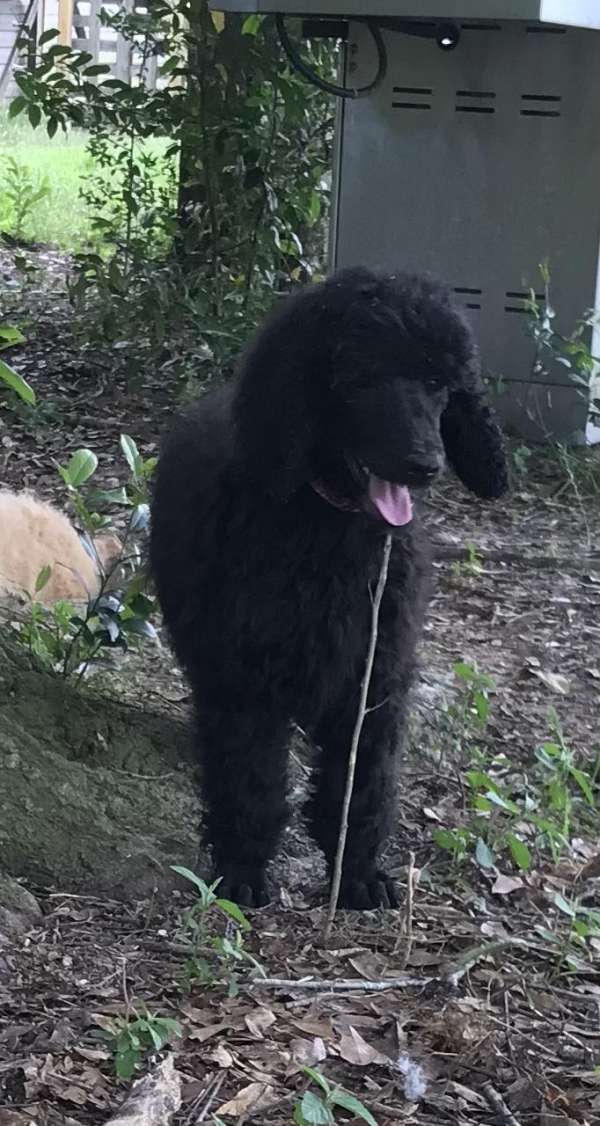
pixel 392 502
pixel 385 499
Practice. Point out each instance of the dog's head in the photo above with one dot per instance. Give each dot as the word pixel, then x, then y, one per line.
pixel 360 386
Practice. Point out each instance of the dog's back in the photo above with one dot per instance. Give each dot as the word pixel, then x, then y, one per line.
pixel 34 535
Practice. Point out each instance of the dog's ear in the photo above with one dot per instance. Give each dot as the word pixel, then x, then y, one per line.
pixel 278 401
pixel 473 441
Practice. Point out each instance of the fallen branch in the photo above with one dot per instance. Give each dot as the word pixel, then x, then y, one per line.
pixel 360 719
pixel 474 954
pixel 450 553
pixel 497 1104
pixel 153 1099
pixel 350 985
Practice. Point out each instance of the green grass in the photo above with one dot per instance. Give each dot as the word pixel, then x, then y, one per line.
pixel 61 217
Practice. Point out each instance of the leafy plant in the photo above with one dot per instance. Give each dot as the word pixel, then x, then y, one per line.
pixel 130 1037
pixel 471 567
pixel 571 944
pixel 22 191
pixel 511 814
pixel 9 336
pixel 219 177
pixel 213 958
pixel 521 456
pixel 572 351
pixel 317 1107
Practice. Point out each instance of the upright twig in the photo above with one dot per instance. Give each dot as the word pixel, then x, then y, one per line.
pixel 360 719
pixel 408 914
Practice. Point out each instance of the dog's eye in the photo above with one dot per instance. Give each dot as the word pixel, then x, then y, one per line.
pixel 433 383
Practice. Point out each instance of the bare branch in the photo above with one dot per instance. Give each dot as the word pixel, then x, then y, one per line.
pixel 360 719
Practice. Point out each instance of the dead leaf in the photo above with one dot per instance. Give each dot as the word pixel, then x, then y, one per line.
pixel 503 885
pixel 207 1033
pixel 553 680
pixel 306 1053
pixel 74 1094
pixel 256 1096
pixel 258 1021
pixel 315 1027
pixel 221 1056
pixel 354 1049
pixel 591 870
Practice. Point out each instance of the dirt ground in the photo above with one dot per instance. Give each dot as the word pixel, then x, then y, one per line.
pixel 496 1019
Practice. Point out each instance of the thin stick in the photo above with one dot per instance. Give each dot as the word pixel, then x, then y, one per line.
pixel 211 1093
pixel 349 985
pixel 408 913
pixel 360 719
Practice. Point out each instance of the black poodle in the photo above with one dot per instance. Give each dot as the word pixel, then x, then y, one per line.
pixel 274 495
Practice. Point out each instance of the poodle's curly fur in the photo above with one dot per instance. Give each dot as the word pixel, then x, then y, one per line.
pixel 273 498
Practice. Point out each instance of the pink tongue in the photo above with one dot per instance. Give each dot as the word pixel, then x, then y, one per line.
pixel 391 501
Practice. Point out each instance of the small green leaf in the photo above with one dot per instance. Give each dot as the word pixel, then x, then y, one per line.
pixel 218 19
pixel 478 780
pixel 561 903
pixel 312 1111
pixel 234 912
pixel 251 25
pixel 445 838
pixel 10 335
pixel 17 384
pixel 504 803
pixel 97 68
pixel 318 1078
pixel 17 106
pixel 132 454
pixel 53 33
pixel 484 855
pixel 43 578
pixel 519 852
pixel 80 468
pixel 350 1102
pixel 583 782
pixel 125 1063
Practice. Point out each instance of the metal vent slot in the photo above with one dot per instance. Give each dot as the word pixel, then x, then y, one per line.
pixel 519 295
pixel 542 100
pixel 537 30
pixel 475 96
pixel 418 91
pixel 411 105
pixel 469 291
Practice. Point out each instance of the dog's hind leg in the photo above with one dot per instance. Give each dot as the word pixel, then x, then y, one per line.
pixel 364 884
pixel 244 761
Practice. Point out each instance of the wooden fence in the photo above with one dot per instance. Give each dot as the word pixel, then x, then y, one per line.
pixel 79 26
pixel 104 44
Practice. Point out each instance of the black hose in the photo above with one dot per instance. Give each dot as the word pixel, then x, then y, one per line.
pixel 299 64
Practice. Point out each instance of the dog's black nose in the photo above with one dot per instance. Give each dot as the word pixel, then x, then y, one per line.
pixel 421 471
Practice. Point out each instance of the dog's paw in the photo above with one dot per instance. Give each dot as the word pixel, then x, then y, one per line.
pixel 368 891
pixel 245 886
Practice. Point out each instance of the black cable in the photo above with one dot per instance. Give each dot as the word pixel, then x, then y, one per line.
pixel 299 64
